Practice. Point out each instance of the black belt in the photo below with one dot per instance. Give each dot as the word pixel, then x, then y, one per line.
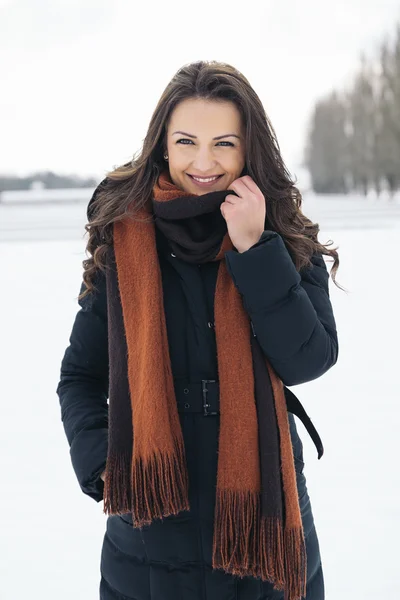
pixel 203 397
pixel 199 397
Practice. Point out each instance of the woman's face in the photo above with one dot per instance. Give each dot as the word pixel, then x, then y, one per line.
pixel 196 152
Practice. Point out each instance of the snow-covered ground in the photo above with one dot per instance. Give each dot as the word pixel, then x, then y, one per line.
pixel 52 534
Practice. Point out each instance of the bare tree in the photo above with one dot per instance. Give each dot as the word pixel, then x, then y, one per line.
pixel 363 130
pixel 389 108
pixel 354 138
pixel 327 149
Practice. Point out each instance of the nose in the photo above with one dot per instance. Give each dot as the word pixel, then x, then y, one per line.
pixel 204 161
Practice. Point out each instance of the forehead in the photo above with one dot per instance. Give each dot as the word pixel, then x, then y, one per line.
pixel 197 115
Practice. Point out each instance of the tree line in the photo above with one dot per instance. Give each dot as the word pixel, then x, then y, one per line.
pixel 48 179
pixel 353 142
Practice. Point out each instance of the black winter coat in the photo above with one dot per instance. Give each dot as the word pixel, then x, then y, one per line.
pixel 292 317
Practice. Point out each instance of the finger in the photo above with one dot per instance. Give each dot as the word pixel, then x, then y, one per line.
pixel 250 184
pixel 231 199
pixel 225 208
pixel 239 187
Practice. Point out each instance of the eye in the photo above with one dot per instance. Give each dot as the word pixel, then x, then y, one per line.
pixel 187 140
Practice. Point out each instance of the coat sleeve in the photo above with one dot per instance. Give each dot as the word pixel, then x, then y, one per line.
pixel 290 311
pixel 83 390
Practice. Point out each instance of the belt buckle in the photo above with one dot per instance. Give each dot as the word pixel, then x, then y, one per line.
pixel 206 406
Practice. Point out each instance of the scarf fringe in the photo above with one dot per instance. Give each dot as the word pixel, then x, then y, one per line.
pixel 160 486
pixel 295 564
pixel 246 545
pixel 117 485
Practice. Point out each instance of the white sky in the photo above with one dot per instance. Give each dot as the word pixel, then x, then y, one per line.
pixel 80 78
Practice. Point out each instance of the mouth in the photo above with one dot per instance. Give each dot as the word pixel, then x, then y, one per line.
pixel 205 181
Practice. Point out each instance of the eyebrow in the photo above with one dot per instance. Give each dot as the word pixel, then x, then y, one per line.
pixel 219 137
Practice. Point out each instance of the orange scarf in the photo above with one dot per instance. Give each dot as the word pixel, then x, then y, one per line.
pixel 146 471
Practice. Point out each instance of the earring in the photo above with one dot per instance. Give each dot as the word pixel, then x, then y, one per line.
pixel 166 156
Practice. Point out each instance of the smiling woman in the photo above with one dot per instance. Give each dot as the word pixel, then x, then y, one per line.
pixel 209 121
pixel 205 295
pixel 203 160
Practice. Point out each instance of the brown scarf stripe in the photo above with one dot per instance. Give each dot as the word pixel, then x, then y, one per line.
pixel 118 489
pixel 257 529
pixel 268 436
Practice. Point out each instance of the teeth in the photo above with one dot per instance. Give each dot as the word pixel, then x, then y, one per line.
pixel 205 180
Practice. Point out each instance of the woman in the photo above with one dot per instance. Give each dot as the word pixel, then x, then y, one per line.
pixel 205 295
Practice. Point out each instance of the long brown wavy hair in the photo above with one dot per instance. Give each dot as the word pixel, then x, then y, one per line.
pixel 131 184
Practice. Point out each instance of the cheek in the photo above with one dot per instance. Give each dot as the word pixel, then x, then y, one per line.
pixel 235 158
pixel 178 159
pixel 235 168
pixel 231 161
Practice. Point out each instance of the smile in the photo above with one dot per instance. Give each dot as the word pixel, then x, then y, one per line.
pixel 205 180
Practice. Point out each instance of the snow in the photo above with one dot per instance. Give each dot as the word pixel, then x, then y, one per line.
pixel 52 533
